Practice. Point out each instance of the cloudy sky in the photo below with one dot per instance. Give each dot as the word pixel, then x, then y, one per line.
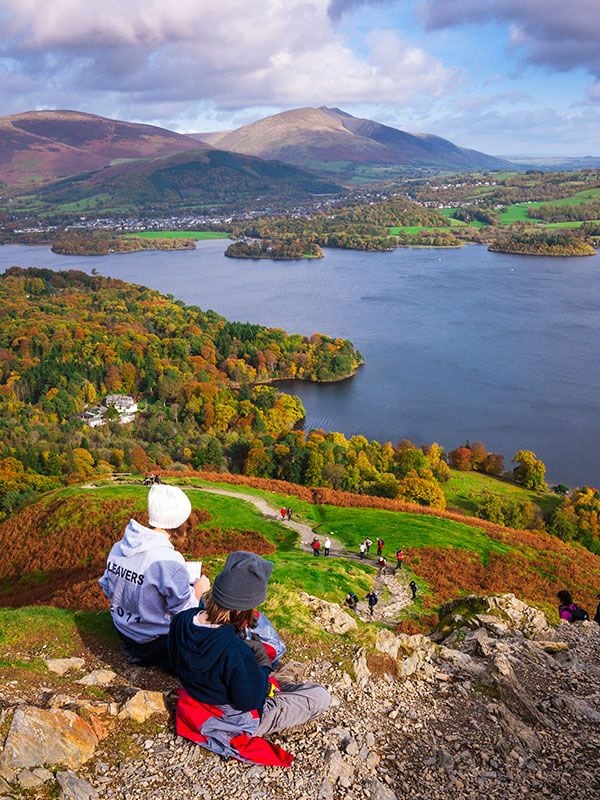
pixel 503 76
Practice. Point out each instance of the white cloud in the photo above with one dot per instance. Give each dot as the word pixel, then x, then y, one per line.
pixel 233 54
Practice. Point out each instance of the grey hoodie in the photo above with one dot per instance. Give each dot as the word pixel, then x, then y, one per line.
pixel 147 582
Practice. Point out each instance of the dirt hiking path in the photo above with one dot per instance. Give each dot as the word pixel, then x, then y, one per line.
pixel 394 594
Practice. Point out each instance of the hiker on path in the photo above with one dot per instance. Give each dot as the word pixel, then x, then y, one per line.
pixel 230 699
pixel 568 610
pixel 380 544
pixel 413 587
pixel 362 549
pixel 351 601
pixel 283 512
pixel 372 598
pixel 382 564
pixel 368 544
pixel 316 546
pixel 288 511
pixel 327 545
pixel 399 558
pixel 147 581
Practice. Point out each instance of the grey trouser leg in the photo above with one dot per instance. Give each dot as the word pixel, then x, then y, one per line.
pixel 294 705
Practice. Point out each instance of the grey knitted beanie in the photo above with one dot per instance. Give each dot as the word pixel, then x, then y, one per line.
pixel 242 584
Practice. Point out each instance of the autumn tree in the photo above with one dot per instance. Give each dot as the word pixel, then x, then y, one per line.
pixel 530 472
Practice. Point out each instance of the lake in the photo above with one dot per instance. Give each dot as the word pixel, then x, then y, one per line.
pixel 459 344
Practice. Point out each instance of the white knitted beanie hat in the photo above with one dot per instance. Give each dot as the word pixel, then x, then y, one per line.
pixel 168 506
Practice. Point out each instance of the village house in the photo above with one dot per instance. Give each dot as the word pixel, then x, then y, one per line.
pixel 122 403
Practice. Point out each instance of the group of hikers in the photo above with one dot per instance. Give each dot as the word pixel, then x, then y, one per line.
pixel 285 512
pixel 224 652
pixel 316 546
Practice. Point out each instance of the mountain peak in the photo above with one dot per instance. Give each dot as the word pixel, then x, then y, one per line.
pixel 331 139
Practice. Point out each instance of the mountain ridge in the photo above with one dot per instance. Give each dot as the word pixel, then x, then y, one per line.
pixel 313 136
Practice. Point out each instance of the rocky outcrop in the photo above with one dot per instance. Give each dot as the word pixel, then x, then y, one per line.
pixel 498 614
pixel 329 615
pixel 495 715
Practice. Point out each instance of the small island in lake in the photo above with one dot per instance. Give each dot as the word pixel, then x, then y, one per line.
pixel 277 249
pixel 102 243
pixel 542 243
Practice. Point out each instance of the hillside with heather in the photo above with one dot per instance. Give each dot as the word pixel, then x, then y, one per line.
pixel 40 146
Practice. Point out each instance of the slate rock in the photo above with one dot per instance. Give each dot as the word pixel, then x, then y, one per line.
pixel 143 705
pixel 75 788
pixel 63 665
pixel 47 736
pixel 329 615
pixel 98 677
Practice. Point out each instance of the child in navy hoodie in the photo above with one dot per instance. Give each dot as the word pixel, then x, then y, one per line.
pixel 225 668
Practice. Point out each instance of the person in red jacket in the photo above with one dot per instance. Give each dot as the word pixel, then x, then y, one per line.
pixel 316 546
pixel 399 558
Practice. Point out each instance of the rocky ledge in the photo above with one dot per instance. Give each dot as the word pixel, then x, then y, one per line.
pixel 495 704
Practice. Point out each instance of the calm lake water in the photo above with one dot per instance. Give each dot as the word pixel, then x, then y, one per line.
pixel 459 344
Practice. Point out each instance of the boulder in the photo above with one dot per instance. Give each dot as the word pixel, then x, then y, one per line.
pixel 28 780
pixel 379 791
pixel 361 669
pixel 143 705
pixel 47 736
pixel 411 653
pixel 552 647
pixel 329 615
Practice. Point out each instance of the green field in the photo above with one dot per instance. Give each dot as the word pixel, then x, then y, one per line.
pixel 463 489
pixel 458 223
pixel 181 235
pixel 517 213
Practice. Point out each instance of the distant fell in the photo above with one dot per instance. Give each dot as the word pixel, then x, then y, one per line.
pixel 333 140
pixel 40 146
pixel 186 180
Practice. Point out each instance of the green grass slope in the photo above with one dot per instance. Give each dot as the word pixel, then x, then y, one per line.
pixel 55 550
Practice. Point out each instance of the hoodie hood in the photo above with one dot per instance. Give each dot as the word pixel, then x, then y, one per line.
pixel 205 644
pixel 139 539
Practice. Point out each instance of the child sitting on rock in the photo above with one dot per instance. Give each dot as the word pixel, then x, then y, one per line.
pixel 230 698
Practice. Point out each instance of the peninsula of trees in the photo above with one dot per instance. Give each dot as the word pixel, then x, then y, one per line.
pixel 542 243
pixel 100 243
